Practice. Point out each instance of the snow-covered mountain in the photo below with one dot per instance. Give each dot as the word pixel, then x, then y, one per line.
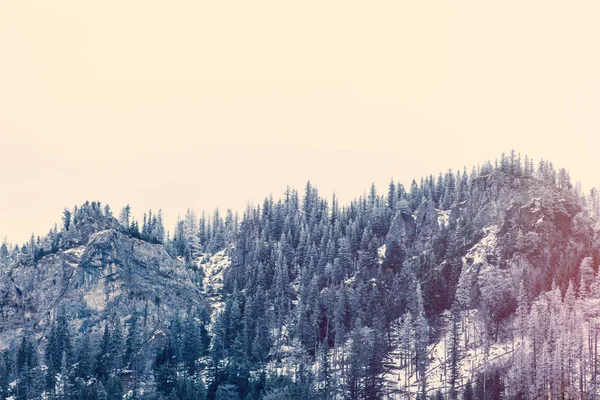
pixel 466 285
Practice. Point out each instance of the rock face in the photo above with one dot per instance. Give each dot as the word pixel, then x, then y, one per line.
pixel 86 227
pixel 412 233
pixel 427 225
pixel 402 229
pixel 400 236
pixel 503 221
pixel 490 196
pixel 493 199
pixel 110 275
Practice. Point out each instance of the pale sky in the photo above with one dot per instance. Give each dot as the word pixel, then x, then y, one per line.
pixel 176 104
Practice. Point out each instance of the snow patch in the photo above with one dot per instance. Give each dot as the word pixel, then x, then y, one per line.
pixel 213 267
pixel 474 357
pixel 381 253
pixel 443 217
pixel 76 251
pixel 350 280
pixel 487 245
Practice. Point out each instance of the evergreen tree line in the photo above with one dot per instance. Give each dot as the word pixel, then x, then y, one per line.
pixel 212 233
pixel 120 360
pixel 311 309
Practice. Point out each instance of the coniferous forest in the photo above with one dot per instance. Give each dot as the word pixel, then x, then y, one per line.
pixel 469 284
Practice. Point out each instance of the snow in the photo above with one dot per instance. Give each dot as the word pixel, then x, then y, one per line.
pixel 487 245
pixel 381 253
pixel 443 217
pixel 156 333
pixel 350 280
pixel 474 358
pixel 75 254
pixel 214 266
pixel 76 251
pixel 536 203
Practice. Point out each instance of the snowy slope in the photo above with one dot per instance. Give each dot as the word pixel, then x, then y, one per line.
pixel 401 382
pixel 213 267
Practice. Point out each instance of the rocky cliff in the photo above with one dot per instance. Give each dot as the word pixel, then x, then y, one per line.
pixel 94 276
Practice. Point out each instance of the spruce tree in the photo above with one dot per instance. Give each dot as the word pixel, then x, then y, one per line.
pixel 454 351
pixel 5 373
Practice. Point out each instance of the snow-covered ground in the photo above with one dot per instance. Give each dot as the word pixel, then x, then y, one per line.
pixel 214 266
pixel 402 383
pixel 487 245
pixel 76 251
pixel 381 253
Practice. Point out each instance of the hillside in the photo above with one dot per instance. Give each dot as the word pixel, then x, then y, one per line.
pixel 464 285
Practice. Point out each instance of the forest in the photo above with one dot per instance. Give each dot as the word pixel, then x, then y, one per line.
pixel 479 284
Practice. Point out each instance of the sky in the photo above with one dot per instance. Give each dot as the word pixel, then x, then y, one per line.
pixel 208 104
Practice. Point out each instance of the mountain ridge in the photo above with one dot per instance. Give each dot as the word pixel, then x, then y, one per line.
pixel 301 297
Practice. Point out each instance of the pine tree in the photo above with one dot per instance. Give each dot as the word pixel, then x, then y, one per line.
pixel 454 351
pixel 195 344
pixel 5 372
pixel 53 357
pixel 522 312
pixel 586 272
pixel 116 346
pixel 262 340
pixel 66 219
pixel 114 388
pixel 28 372
pixel 125 216
pixel 392 197
pixel 468 393
pixel 377 355
pixel 325 381
pixel 132 359
pixel 104 363
pixel 339 320
pixel 357 358
pixel 218 340
pixel 226 392
pixel 406 345
pixel 421 329
pixel 165 368
pixel 84 361
pixel 450 189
